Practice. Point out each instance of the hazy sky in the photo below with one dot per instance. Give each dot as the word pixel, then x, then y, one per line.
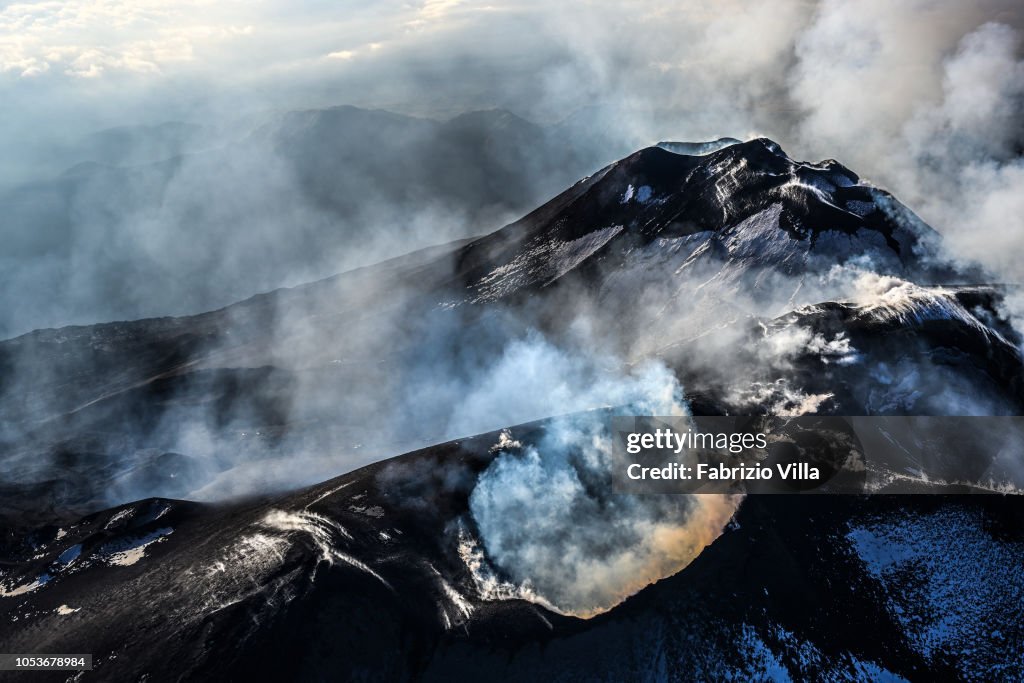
pixel 111 62
pixel 726 67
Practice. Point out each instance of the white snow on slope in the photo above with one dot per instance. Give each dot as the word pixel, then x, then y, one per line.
pixel 120 516
pixel 954 589
pixel 321 531
pixel 23 589
pixel 542 262
pixel 125 553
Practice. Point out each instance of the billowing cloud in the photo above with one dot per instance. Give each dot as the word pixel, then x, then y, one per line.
pixel 923 98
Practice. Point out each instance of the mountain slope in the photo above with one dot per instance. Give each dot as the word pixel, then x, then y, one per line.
pixel 175 219
pixel 763 284
pixel 377 574
pixel 686 258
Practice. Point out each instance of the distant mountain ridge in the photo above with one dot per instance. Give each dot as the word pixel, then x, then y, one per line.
pixel 178 218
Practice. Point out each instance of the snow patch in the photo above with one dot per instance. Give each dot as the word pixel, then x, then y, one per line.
pixel 122 515
pixel 321 531
pixel 461 608
pixel 952 586
pixel 125 553
pixel 23 589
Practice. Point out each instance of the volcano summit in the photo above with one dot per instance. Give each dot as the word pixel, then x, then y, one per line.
pixel 718 278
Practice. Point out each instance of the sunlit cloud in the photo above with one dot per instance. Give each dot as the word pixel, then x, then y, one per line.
pixel 90 38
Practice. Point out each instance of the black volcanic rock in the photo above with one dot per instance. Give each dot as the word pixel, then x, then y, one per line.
pixel 658 249
pixel 703 260
pixel 363 577
pixel 740 222
pixel 914 355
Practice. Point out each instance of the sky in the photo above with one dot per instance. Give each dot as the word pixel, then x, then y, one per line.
pixel 923 97
pixel 103 62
